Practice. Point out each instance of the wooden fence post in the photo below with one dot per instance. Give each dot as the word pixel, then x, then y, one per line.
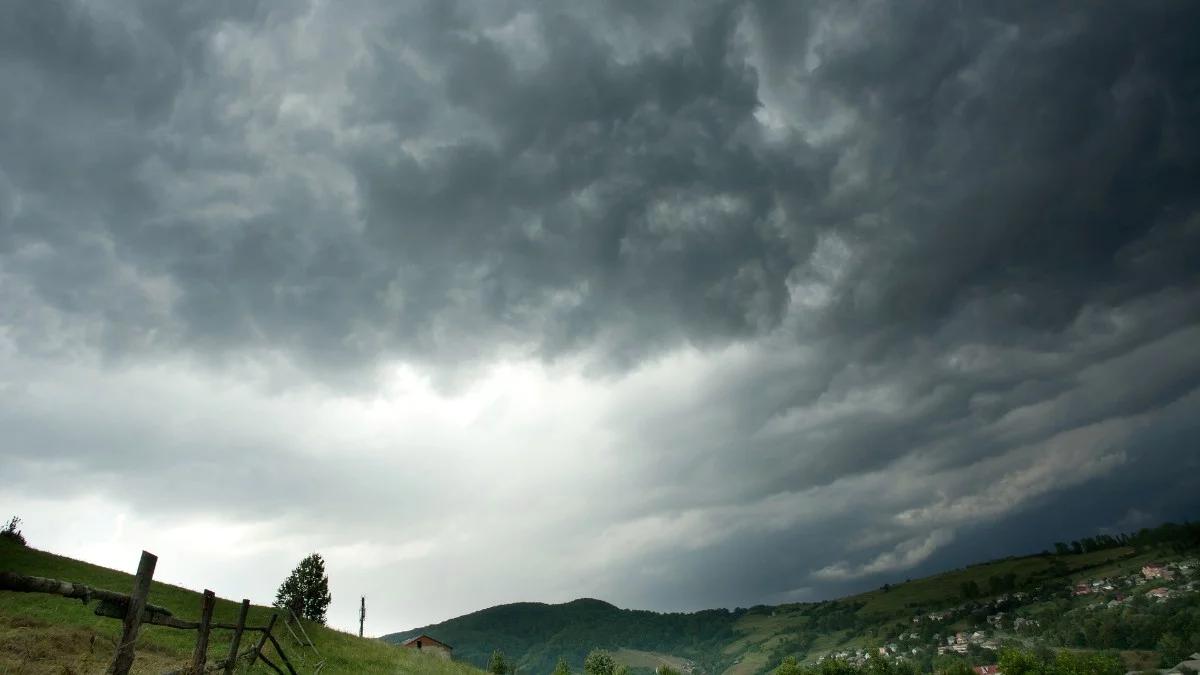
pixel 237 638
pixel 262 641
pixel 200 654
pixel 123 659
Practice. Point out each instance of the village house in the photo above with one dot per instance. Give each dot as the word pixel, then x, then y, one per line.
pixel 427 645
pixel 987 670
pixel 1159 593
pixel 1156 571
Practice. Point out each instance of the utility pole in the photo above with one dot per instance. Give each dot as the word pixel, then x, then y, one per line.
pixel 362 615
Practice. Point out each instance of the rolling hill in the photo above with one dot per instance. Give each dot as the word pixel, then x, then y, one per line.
pixel 49 634
pixel 754 640
pixel 537 634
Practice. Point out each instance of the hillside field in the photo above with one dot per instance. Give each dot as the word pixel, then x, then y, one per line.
pixel 42 633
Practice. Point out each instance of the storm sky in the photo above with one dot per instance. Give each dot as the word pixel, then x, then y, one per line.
pixel 674 304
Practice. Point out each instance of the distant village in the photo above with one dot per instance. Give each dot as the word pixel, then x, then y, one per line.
pixel 1006 625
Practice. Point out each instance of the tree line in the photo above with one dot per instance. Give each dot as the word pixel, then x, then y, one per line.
pixel 1179 536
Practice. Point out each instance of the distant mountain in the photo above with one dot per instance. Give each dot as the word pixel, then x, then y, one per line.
pixel 1090 594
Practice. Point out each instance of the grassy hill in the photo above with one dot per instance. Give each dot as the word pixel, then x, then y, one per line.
pixel 50 634
pixel 537 634
pixel 755 640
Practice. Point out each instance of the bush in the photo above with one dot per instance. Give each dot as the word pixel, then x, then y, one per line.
pixel 599 662
pixel 498 665
pixel 12 532
pixel 789 666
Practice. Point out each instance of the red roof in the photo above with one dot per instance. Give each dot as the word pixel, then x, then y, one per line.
pixel 987 670
pixel 418 641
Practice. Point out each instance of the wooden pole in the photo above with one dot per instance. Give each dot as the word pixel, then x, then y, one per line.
pixel 11 581
pixel 279 650
pixel 123 659
pixel 237 637
pixel 303 632
pixel 295 638
pixel 200 653
pixel 267 661
pixel 262 641
pixel 362 615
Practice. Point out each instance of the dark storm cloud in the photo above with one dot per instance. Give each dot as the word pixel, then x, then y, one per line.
pixel 924 248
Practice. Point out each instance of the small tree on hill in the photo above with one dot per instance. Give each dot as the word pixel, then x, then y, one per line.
pixel 498 664
pixel 12 531
pixel 561 668
pixel 599 662
pixel 306 590
pixel 789 666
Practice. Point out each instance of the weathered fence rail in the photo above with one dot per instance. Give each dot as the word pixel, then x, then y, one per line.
pixel 133 611
pixel 306 642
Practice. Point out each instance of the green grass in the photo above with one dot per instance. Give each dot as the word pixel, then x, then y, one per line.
pixel 637 658
pixel 42 633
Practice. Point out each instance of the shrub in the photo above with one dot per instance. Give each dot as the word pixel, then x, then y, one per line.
pixel 12 531
pixel 498 665
pixel 599 662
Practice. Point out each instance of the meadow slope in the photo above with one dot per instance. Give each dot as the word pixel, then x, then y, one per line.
pixel 49 634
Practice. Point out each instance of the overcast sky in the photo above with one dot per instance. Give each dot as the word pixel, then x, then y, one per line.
pixel 674 304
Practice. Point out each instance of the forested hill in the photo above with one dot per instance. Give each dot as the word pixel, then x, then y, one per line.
pixel 537 634
pixel 1091 594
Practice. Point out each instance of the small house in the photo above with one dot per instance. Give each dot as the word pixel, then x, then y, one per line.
pixel 427 645
pixel 1154 571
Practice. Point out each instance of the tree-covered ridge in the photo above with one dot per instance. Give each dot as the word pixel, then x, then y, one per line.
pixel 1016 602
pixel 536 635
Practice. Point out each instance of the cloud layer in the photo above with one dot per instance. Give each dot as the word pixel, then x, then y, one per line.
pixel 679 304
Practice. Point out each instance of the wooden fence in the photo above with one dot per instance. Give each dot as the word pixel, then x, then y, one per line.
pixel 134 610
